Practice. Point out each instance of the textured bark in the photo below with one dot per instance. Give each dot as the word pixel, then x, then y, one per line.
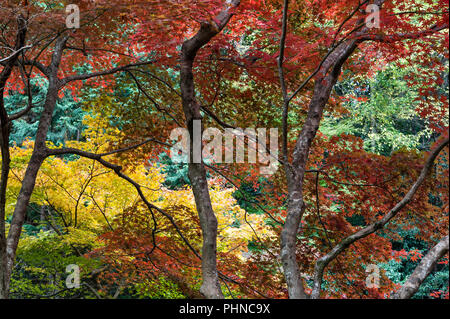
pixel 326 74
pixel 197 173
pixel 289 243
pixel 38 156
pixel 295 172
pixel 5 129
pixel 422 271
pixel 28 183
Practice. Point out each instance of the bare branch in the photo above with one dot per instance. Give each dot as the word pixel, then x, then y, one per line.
pixel 16 52
pixel 389 38
pixel 422 271
pixel 87 76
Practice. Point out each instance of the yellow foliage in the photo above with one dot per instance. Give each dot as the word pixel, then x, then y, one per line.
pixel 88 196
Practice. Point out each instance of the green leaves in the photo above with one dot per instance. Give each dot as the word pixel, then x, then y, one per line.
pixel 67 119
pixel 381 110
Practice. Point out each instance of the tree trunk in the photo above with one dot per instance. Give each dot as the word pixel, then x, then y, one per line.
pixel 197 175
pixel 288 254
pixel 5 129
pixel 37 158
pixel 210 286
pixel 295 171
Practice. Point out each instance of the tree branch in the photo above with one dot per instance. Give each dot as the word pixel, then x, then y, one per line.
pixel 323 262
pixel 87 76
pixel 422 271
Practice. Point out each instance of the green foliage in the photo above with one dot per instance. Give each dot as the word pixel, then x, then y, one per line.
pixel 399 271
pixel 247 196
pixel 382 111
pixel 158 289
pixel 176 173
pixel 42 260
pixel 67 118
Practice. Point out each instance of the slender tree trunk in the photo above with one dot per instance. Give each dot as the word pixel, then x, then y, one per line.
pixel 295 171
pixel 197 175
pixel 6 159
pixel 288 254
pixel 37 158
pixel 5 129
pixel 295 179
pixel 4 144
pixel 210 286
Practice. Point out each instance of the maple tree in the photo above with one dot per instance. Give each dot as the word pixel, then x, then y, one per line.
pixel 328 212
pixel 89 209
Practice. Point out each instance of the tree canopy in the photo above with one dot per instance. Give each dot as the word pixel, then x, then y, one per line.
pixel 352 204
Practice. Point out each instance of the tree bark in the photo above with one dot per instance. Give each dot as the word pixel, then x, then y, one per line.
pixel 5 129
pixel 37 158
pixel 295 171
pixel 197 175
pixel 197 172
